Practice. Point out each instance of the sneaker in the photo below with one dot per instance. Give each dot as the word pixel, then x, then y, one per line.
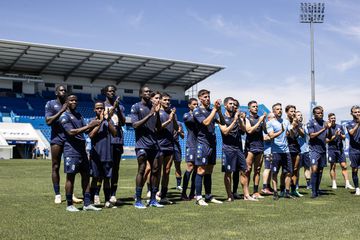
pixel 282 194
pixel 113 199
pixel 296 194
pixel 230 199
pixel 97 200
pixel 179 188
pixel 201 202
pixel 309 187
pixel 192 196
pixel 139 205
pixel 334 186
pixel 289 196
pixel 148 194
pixel 91 208
pixel 237 196
pixel 57 199
pixel 72 208
pixel 250 198
pixel 276 196
pixel 348 186
pixel 257 196
pixel 109 205
pixel 184 197
pixel 266 191
pixel 214 200
pixel 165 201
pixel 158 196
pixel 154 203
pixel 357 192
pixel 314 195
pixel 76 200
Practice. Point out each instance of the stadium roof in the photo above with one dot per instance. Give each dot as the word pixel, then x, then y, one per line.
pixel 38 59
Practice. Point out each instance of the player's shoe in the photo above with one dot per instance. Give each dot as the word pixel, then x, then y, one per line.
pixel 158 196
pixel 357 192
pixel 72 208
pixel 296 194
pixel 237 196
pixel 257 196
pixel 276 196
pixel 213 200
pixel 179 188
pixel 97 200
pixel 139 205
pixel 282 194
pixel 91 208
pixel 266 191
pixel 230 199
pixel 184 197
pixel 154 203
pixel 201 202
pixel 250 198
pixel 165 201
pixel 76 200
pixel 108 204
pixel 113 199
pixel 148 194
pixel 348 186
pixel 334 186
pixel 289 196
pixel 57 199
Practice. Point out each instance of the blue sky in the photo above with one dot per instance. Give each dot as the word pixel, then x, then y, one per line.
pixel 261 43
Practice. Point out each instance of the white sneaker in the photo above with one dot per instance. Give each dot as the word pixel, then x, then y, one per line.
pixel 357 192
pixel 213 200
pixel 250 198
pixel 113 199
pixel 201 202
pixel 109 205
pixel 57 199
pixel 72 208
pixel 257 196
pixel 97 200
pixel 348 186
pixel 148 194
pixel 334 186
pixel 179 188
pixel 158 196
pixel 91 208
pixel 76 200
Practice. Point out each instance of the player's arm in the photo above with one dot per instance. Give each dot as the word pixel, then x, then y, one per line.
pixel 273 134
pixel 181 131
pixel 316 134
pixel 221 119
pixel 354 129
pixel 119 112
pixel 250 129
pixel 136 122
pixel 169 120
pixel 227 129
pixel 242 121
pixel 112 128
pixel 51 119
pixel 87 128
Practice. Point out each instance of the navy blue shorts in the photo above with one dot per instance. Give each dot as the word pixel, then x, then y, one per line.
pixel 205 155
pixel 354 160
pixel 233 160
pixel 177 153
pixel 305 160
pixel 267 161
pixel 101 169
pixel 336 157
pixel 282 160
pixel 57 140
pixel 148 154
pixel 318 159
pixel 190 154
pixel 76 164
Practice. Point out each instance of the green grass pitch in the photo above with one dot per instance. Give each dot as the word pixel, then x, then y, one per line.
pixel 28 212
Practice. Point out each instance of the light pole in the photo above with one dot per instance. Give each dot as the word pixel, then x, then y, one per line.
pixel 312 13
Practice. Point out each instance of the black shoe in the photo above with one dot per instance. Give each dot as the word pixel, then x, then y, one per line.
pixel 287 195
pixel 276 196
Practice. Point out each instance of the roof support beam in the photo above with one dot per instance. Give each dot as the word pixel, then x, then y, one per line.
pixel 157 74
pixel 179 77
pixel 18 59
pixel 132 71
pixel 105 69
pixel 200 79
pixel 77 66
pixel 57 55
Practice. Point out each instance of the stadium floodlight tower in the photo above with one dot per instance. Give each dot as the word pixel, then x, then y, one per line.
pixel 312 13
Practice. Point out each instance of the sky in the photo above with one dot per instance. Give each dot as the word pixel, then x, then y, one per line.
pixel 261 43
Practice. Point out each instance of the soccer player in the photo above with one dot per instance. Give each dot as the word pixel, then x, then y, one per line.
pixel 166 142
pixel 177 155
pixel 294 132
pixel 145 120
pixel 277 130
pixel 353 129
pixel 75 157
pixel 190 155
pixel 254 145
pixel 267 161
pixel 114 109
pixel 334 138
pixel 205 118
pixel 304 150
pixel 317 131
pixel 101 158
pixel 53 111
pixel 233 158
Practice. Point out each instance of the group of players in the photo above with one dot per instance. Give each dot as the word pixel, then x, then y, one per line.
pixel 286 144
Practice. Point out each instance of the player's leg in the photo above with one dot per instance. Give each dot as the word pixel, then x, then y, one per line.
pixel 69 189
pixel 117 150
pixel 156 161
pixel 85 184
pixel 139 180
pixel 287 168
pixel 343 165
pixel 200 172
pixel 258 161
pixel 187 175
pixel 167 163
pixel 295 174
pixel 333 174
pixel 249 162
pixel 178 174
pixel 56 152
pixel 275 165
pixel 147 179
pixel 266 175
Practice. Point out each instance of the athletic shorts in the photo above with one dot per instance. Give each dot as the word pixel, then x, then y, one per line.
pixel 336 157
pixel 57 140
pixel 318 159
pixel 354 160
pixel 148 154
pixel 267 161
pixel 177 153
pixel 232 161
pixel 76 165
pixel 117 150
pixel 190 154
pixel 305 160
pixel 255 152
pixel 282 160
pixel 205 155
pixel 101 169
